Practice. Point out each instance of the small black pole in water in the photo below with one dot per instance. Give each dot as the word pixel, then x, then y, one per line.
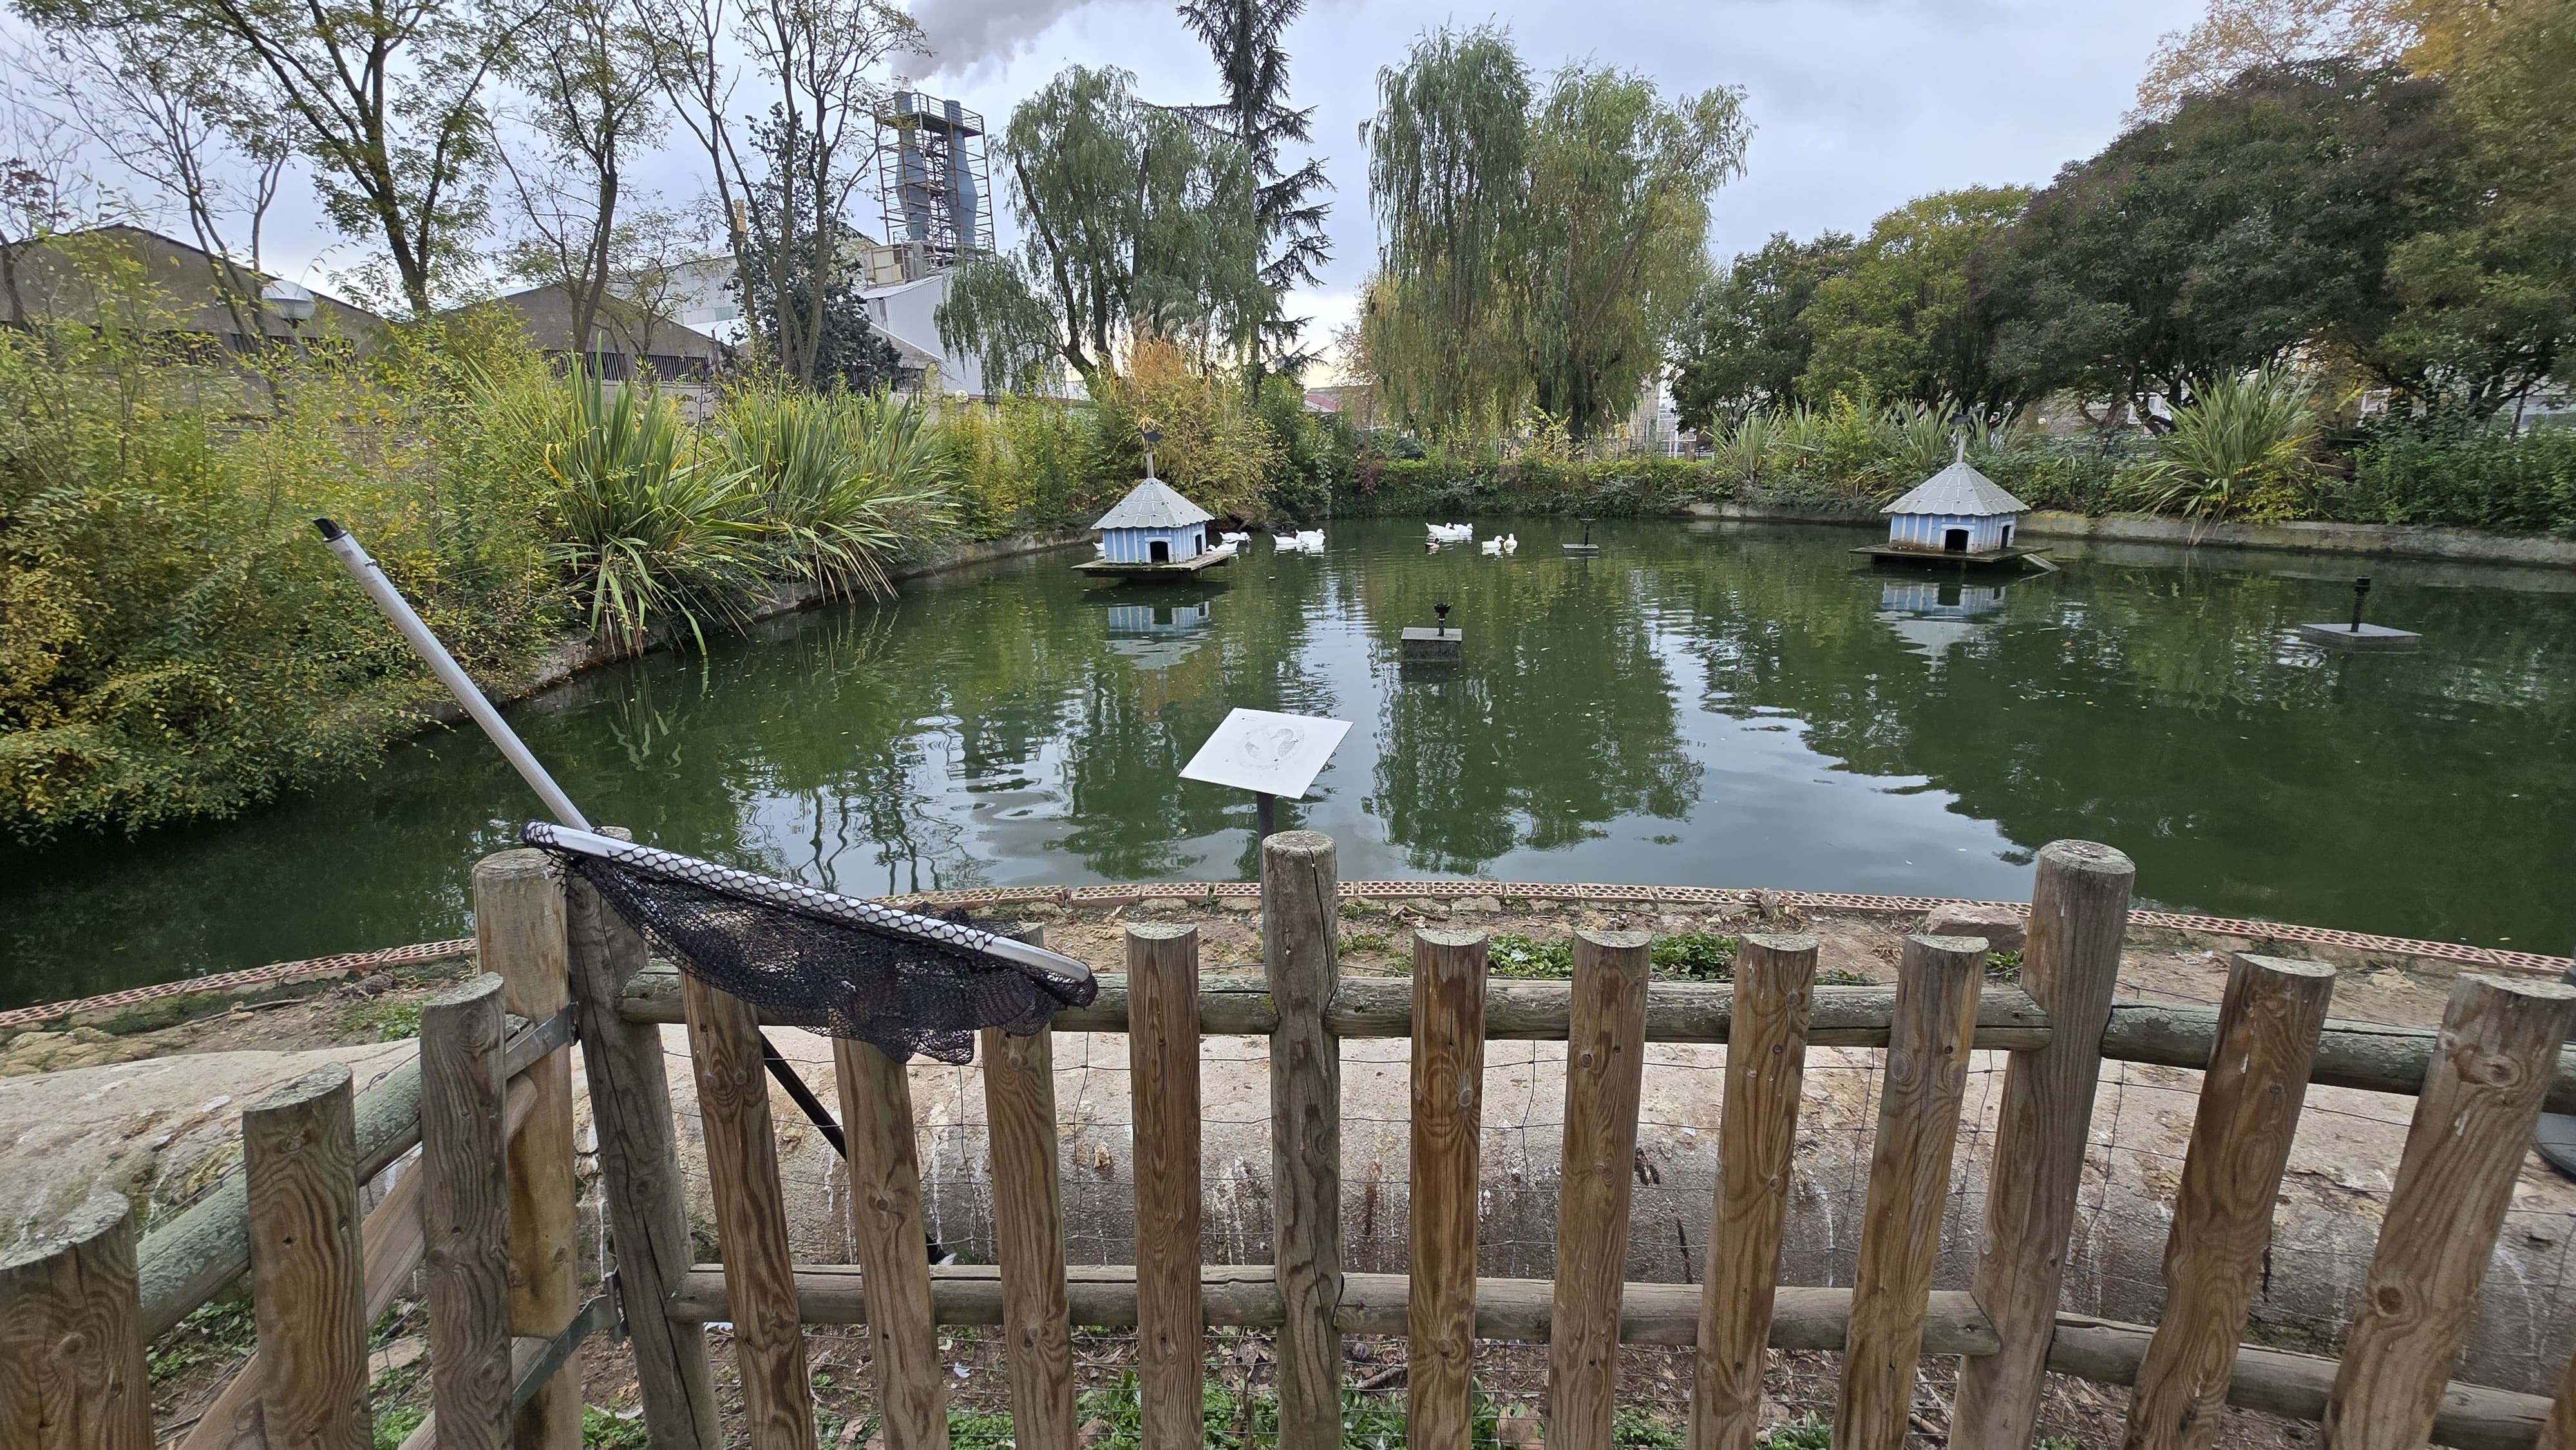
pixel 1265 814
pixel 1587 530
pixel 1442 610
pixel 2360 588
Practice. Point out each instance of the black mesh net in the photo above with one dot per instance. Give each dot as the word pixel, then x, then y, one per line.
pixel 905 983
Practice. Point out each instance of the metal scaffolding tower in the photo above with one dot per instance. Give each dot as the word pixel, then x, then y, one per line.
pixel 931 182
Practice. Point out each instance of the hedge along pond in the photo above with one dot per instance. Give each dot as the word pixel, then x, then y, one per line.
pixel 1736 705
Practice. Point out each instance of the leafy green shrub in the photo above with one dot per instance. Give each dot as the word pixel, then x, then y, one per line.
pixel 2447 470
pixel 178 645
pixel 601 1430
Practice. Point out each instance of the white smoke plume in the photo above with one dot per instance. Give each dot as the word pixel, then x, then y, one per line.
pixel 964 34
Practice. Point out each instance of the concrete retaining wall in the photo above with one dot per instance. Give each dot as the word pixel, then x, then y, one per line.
pixel 2387 541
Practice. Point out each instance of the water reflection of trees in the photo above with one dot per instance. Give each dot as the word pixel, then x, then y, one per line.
pixel 1561 719
pixel 2169 711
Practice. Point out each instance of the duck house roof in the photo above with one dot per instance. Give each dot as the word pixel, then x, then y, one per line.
pixel 1958 490
pixel 1153 504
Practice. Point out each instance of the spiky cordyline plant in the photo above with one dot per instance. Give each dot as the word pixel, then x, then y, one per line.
pixel 651 529
pixel 2241 448
pixel 844 481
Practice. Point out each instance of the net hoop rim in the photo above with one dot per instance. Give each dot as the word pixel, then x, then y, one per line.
pixel 828 906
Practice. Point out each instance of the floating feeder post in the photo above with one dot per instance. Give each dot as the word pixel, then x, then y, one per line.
pixel 2356 635
pixel 1587 549
pixel 1434 646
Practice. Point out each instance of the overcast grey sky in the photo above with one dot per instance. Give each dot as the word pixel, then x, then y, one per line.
pixel 1857 105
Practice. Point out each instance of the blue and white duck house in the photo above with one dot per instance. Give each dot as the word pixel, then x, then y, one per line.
pixel 1155 532
pixel 1957 515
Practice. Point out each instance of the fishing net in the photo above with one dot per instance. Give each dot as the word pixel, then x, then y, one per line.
pixel 902 982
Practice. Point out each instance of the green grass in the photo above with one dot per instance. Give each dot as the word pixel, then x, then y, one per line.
pixel 382 1021
pixel 395 1426
pixel 1808 1432
pixel 1643 1430
pixel 1838 977
pixel 2003 966
pixel 1367 941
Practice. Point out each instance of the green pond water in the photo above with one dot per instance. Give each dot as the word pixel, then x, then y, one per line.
pixel 1703 705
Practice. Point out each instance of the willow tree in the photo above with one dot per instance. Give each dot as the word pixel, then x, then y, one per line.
pixel 1533 249
pixel 1448 177
pixel 1614 241
pixel 1136 221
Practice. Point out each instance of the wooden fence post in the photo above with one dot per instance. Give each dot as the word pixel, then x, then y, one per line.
pixel 465 1214
pixel 519 934
pixel 1766 1059
pixel 1605 1061
pixel 2472 1126
pixel 886 1222
pixel 2079 913
pixel 1163 1074
pixel 71 1336
pixel 2559 1433
pixel 1448 1098
pixel 639 1168
pixel 1920 1091
pixel 2222 1226
pixel 1301 953
pixel 308 1278
pixel 1028 1231
pixel 751 1217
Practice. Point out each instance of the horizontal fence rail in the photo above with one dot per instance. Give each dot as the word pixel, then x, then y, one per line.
pixel 2371 1057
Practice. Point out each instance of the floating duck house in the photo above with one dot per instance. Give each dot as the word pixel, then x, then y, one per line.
pixel 1956 515
pixel 1156 533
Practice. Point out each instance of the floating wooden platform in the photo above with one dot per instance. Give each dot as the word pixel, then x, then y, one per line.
pixel 1442 646
pixel 2371 637
pixel 1139 573
pixel 2014 558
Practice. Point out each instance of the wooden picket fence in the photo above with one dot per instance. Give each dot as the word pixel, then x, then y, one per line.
pixel 494 1226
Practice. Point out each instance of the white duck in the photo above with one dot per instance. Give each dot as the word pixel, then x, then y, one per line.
pixel 1311 540
pixel 1244 538
pixel 1493 548
pixel 1511 543
pixel 1452 533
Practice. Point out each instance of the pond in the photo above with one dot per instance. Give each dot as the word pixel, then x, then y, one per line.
pixel 1727 705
